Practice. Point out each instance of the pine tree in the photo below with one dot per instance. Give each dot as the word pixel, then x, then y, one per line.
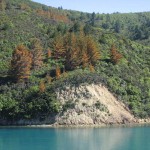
pixel 21 63
pixel 58 46
pixel 37 53
pixel 75 50
pixel 93 17
pixel 92 50
pixel 82 50
pixel 115 56
pixel 71 51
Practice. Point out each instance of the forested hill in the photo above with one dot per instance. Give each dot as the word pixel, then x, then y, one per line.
pixel 42 48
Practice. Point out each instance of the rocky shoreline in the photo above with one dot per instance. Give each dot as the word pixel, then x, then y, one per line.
pixel 47 123
pixel 142 122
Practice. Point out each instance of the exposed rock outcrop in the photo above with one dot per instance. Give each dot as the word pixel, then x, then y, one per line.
pixel 91 104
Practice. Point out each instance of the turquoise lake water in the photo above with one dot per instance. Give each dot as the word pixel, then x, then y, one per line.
pixel 108 138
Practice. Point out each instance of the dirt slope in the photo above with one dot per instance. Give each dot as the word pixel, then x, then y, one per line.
pixel 91 104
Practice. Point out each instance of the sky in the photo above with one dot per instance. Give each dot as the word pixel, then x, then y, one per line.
pixel 100 6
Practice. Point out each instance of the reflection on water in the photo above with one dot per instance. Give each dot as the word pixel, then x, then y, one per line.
pixel 119 138
pixel 92 139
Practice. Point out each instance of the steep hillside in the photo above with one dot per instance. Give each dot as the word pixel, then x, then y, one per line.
pixel 43 49
pixel 89 105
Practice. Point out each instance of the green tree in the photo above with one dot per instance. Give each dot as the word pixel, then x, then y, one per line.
pixel 76 27
pixel 117 26
pixel 87 29
pixel 93 17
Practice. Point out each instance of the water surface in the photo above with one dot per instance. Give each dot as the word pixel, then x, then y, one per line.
pixel 108 138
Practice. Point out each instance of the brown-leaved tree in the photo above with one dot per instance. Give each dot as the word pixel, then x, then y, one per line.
pixel 37 53
pixel 21 63
pixel 115 56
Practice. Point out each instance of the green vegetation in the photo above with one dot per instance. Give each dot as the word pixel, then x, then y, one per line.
pixel 43 48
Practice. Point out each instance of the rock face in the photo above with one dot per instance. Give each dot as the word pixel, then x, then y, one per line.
pixel 91 105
